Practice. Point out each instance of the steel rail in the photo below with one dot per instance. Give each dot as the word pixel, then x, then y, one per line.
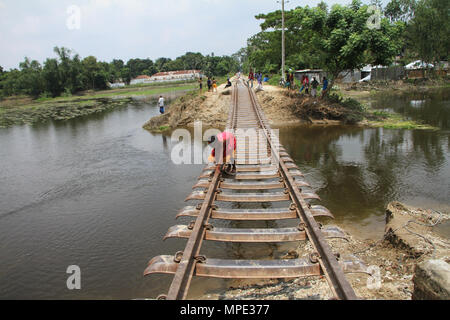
pixel 182 279
pixel 181 282
pixel 333 272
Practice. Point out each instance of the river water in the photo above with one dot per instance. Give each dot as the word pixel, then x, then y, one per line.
pixel 100 192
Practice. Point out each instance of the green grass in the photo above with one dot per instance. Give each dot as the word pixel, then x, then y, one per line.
pixel 274 80
pixel 158 84
pixel 389 120
pixel 144 92
pixel 64 108
pixel 103 94
pixel 163 128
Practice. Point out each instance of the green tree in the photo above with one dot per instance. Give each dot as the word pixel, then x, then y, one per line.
pixel 30 79
pixel 428 32
pixel 400 10
pixel 52 78
pixel 161 64
pixel 90 70
pixel 335 39
pixel 344 41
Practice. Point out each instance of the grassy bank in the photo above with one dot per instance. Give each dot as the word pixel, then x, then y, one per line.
pixel 24 110
pixel 348 103
pixel 390 120
pixel 363 92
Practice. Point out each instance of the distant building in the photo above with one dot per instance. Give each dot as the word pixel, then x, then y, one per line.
pixel 181 75
pixel 140 80
pixel 311 73
pixel 118 84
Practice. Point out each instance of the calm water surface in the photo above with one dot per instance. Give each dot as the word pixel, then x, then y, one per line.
pixel 100 192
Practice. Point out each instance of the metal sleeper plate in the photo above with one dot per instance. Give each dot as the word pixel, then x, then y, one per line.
pixel 321 211
pixel 257 176
pixel 255 168
pixel 253 197
pixel 252 235
pixel 255 214
pixel 240 269
pixel 254 161
pixel 251 269
pixel 251 185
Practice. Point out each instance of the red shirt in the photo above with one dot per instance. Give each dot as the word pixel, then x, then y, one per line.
pixel 228 142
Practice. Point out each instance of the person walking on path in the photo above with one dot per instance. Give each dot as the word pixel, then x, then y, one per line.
pixel 214 85
pixel 200 84
pixel 251 78
pixel 209 83
pixel 259 77
pixel 325 87
pixel 161 104
pixel 314 85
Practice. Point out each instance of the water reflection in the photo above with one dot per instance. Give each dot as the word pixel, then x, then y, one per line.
pixel 431 107
pixel 358 171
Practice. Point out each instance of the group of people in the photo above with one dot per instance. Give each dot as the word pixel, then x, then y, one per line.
pixel 211 83
pixel 258 76
pixel 311 88
pixel 290 81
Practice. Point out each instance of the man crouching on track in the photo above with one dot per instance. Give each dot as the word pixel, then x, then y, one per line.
pixel 225 144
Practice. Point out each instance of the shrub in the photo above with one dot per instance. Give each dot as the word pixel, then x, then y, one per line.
pixel 353 104
pixel 334 98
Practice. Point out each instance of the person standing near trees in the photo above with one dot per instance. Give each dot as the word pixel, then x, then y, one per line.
pixel 161 104
pixel 200 84
pixel 325 86
pixel 214 84
pixel 305 84
pixel 314 85
pixel 209 83
pixel 259 78
pixel 251 78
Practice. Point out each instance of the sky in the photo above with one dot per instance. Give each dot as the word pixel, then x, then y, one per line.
pixel 125 29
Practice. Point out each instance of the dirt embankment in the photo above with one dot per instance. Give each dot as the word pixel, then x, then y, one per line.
pixel 391 261
pixel 282 107
pixel 211 108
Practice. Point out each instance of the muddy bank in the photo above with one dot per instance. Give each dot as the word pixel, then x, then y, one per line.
pixel 348 105
pixel 365 89
pixel 211 108
pixel 284 107
pixel 396 262
pixel 25 110
pixel 281 107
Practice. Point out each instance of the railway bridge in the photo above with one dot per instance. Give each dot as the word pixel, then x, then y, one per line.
pixel 266 174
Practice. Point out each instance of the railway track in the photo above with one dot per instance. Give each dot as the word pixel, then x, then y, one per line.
pixel 266 175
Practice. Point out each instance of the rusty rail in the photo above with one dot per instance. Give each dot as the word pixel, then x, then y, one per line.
pixel 257 173
pixel 333 272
